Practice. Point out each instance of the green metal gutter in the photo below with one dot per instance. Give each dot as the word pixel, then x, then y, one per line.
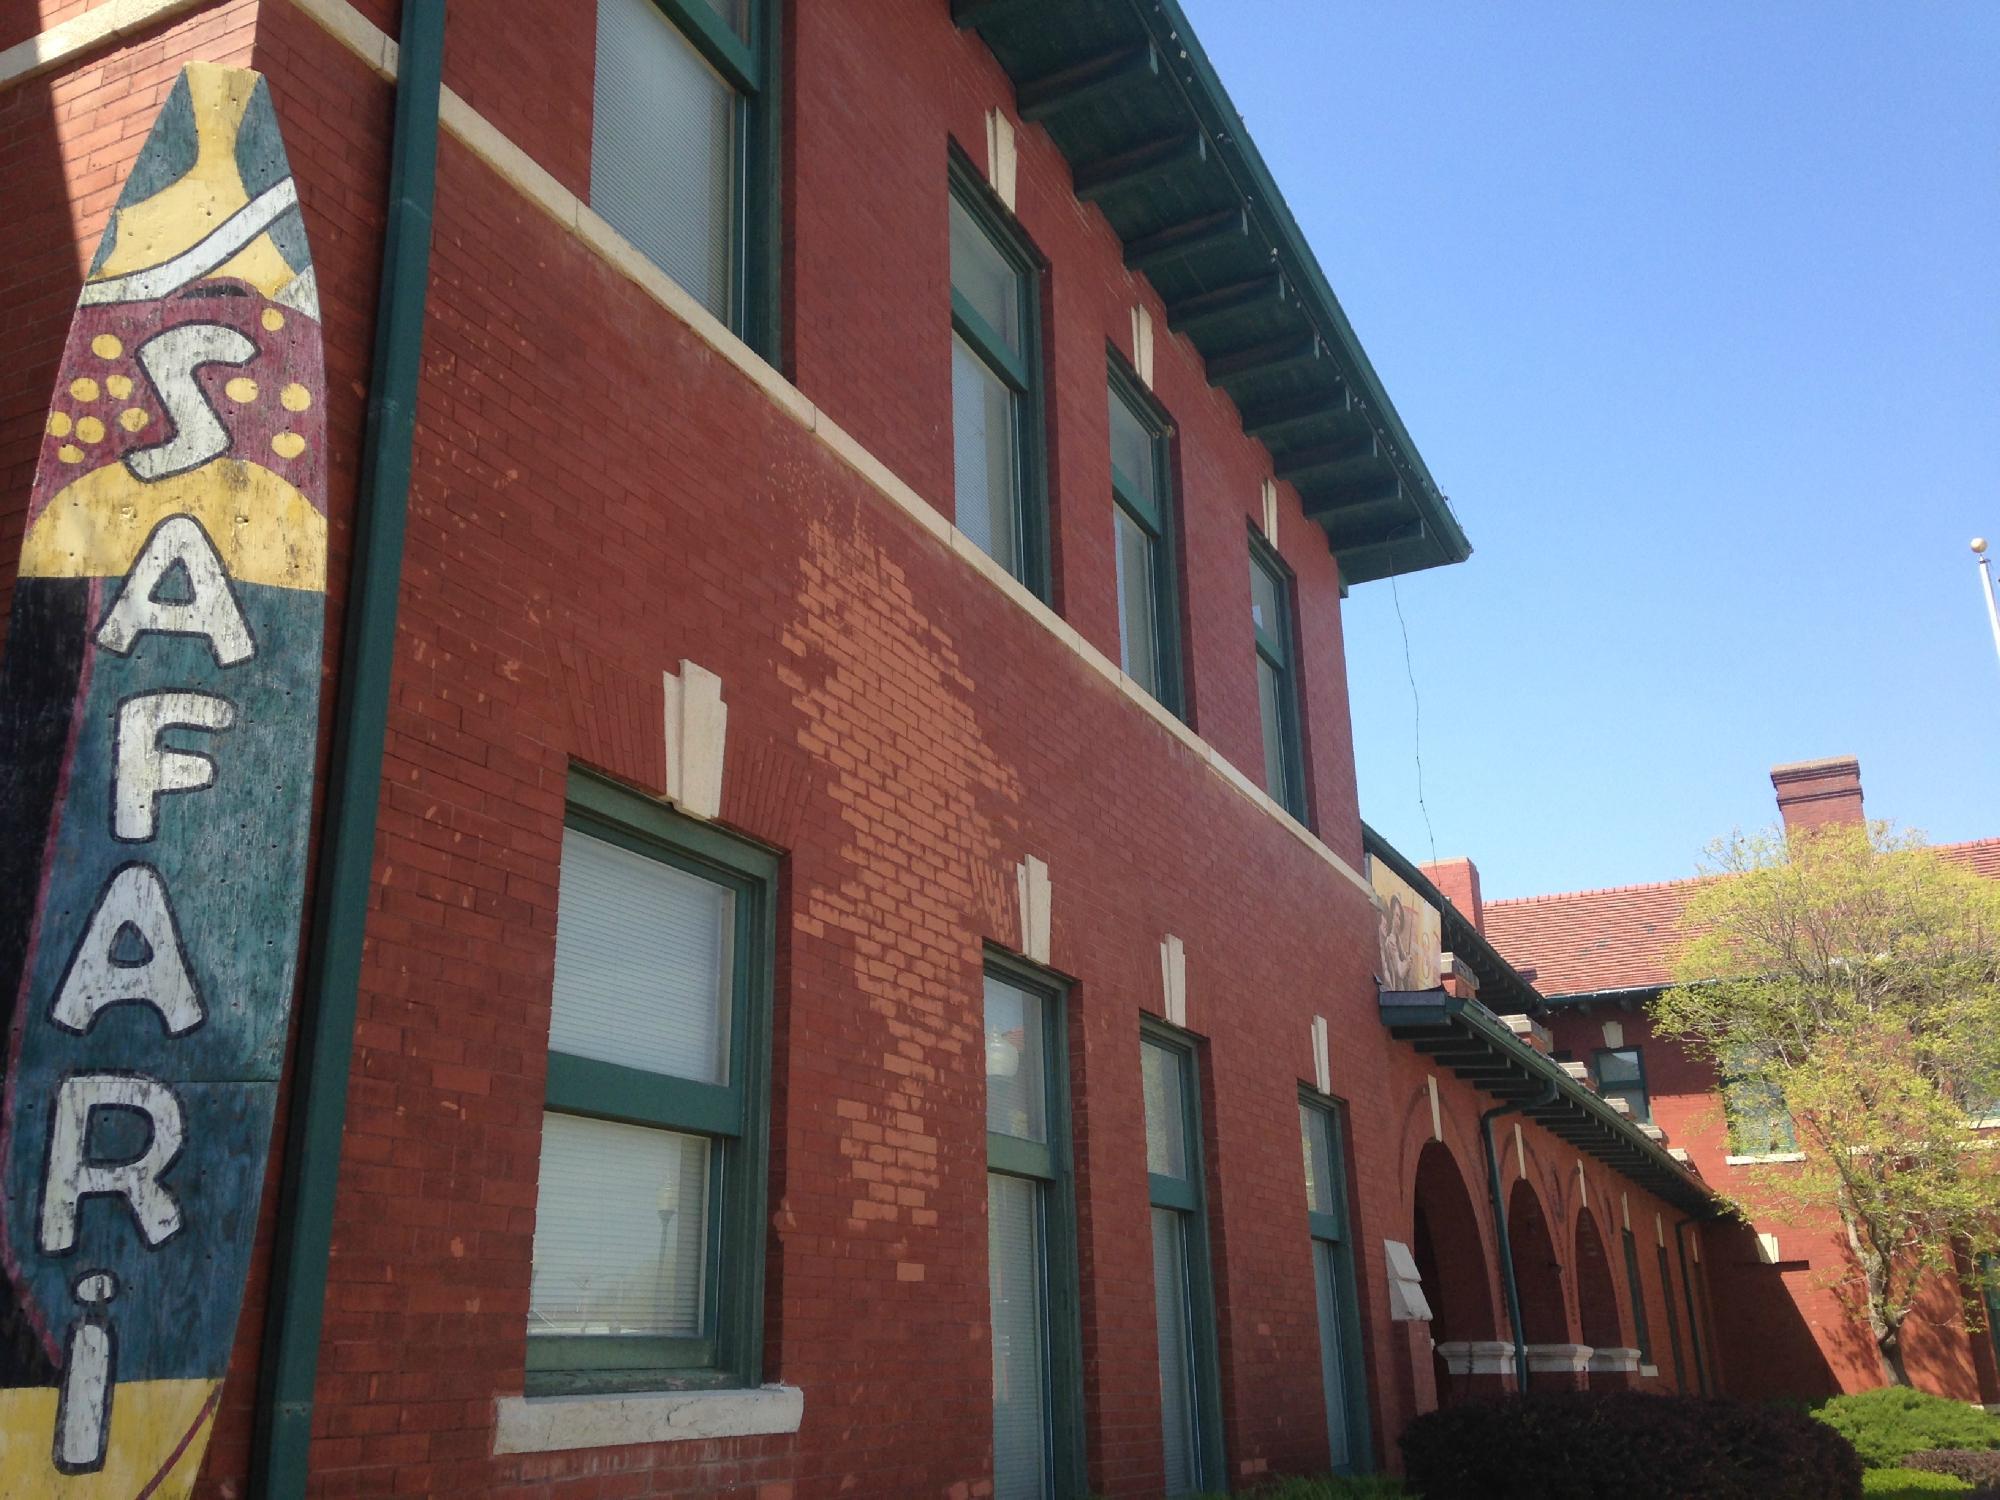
pixel 317 1097
pixel 1501 1235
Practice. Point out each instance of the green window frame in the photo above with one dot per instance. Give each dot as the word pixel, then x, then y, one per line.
pixel 1171 1088
pixel 1641 1328
pixel 1015 1156
pixel 1621 1074
pixel 998 360
pixel 1673 1320
pixel 737 42
pixel 731 1116
pixel 1343 1368
pixel 1277 678
pixel 1145 550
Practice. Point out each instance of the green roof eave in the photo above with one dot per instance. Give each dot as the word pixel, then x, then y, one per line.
pixel 1473 1042
pixel 1129 96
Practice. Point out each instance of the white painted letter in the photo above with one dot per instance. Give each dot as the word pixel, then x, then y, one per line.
pixel 71 1178
pixel 134 901
pixel 210 611
pixel 147 770
pixel 170 360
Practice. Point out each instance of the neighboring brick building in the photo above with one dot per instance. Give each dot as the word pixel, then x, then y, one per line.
pixel 869 982
pixel 1600 957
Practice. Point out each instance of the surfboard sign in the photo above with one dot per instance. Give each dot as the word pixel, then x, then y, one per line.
pixel 159 707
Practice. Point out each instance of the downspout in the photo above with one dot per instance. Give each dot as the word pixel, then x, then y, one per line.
pixel 1507 1282
pixel 1702 1357
pixel 317 1098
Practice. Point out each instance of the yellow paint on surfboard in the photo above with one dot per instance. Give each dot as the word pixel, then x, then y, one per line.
pixel 262 528
pixel 188 209
pixel 149 1420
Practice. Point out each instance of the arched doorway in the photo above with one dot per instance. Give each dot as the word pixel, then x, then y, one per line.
pixel 1451 1258
pixel 1596 1296
pixel 1537 1272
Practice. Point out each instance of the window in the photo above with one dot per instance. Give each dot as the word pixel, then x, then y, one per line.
pixel 1277 684
pixel 649 1229
pixel 1640 1328
pixel 1031 1241
pixel 1759 1123
pixel 1621 1074
pixel 996 420
pixel 682 136
pixel 1673 1321
pixel 1183 1299
pixel 1142 498
pixel 1333 1281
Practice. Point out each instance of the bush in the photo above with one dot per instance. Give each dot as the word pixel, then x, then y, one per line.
pixel 1910 1484
pixel 1330 1487
pixel 1889 1424
pixel 1577 1445
pixel 1973 1465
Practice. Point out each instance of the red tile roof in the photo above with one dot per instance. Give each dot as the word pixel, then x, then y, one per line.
pixel 1624 937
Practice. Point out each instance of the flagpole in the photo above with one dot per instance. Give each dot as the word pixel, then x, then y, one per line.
pixel 1986 588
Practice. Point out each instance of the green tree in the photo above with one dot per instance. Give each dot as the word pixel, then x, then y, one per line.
pixel 1850 978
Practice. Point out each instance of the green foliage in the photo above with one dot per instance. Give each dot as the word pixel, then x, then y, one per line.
pixel 1886 1426
pixel 1907 1484
pixel 1849 979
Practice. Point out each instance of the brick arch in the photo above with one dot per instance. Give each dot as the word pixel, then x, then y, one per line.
pixel 1596 1287
pixel 1538 1275
pixel 1450 1251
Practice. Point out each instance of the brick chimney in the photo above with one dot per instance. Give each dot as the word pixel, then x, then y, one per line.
pixel 1458 880
pixel 1814 793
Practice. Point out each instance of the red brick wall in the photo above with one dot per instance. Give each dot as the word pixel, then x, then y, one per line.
pixel 597 496
pixel 1784 1329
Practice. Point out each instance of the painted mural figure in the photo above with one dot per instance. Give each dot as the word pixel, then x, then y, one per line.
pixel 158 715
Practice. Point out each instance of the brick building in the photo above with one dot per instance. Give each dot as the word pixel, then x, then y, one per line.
pixel 1600 958
pixel 844 956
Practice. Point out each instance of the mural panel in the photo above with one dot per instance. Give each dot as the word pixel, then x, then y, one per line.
pixel 159 704
pixel 1408 932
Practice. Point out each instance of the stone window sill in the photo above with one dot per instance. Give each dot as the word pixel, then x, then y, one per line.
pixel 1763 1160
pixel 549 1424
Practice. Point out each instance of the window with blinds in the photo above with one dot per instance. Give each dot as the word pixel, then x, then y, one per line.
pixel 678 130
pixel 995 384
pixel 648 1242
pixel 1183 1297
pixel 1031 1240
pixel 1334 1296
pixel 1277 681
pixel 1142 498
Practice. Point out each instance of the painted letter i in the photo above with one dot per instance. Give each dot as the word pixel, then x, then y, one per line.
pixel 83 1410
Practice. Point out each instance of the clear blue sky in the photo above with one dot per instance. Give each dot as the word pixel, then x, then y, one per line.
pixel 1694 312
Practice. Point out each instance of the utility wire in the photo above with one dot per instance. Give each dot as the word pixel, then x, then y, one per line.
pixel 1417 713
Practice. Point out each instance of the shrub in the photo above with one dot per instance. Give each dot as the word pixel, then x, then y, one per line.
pixel 1889 1424
pixel 1910 1484
pixel 1577 1445
pixel 1329 1487
pixel 1973 1465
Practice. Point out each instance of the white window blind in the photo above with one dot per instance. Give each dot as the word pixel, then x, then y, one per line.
pixel 1014 1271
pixel 663 148
pixel 643 963
pixel 1015 1067
pixel 1170 1307
pixel 621 1231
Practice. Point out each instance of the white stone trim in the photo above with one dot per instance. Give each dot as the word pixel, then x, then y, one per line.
pixel 697 728
pixel 1613 1361
pixel 70 39
pixel 360 36
pixel 1407 1303
pixel 1002 164
pixel 1142 345
pixel 1614 1035
pixel 1322 1056
pixel 1173 979
pixel 1765 1160
pixel 1477 1357
pixel 1437 1112
pixel 1650 1372
pixel 549 1424
pixel 1559 1358
pixel 1269 497
pixel 1031 878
